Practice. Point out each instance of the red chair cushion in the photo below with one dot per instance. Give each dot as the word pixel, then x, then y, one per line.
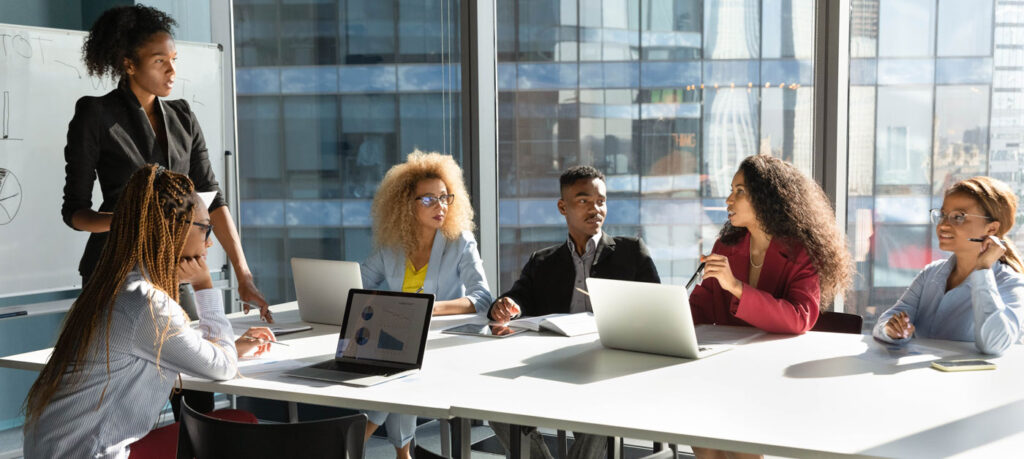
pixel 162 443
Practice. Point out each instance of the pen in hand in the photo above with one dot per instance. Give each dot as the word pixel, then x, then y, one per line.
pixel 263 341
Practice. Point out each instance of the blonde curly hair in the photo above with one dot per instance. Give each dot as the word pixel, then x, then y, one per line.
pixel 394 211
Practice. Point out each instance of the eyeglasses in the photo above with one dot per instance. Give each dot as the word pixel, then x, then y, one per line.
pixel 430 201
pixel 205 227
pixel 954 218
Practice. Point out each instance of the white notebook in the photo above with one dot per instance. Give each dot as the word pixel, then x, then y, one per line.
pixel 564 324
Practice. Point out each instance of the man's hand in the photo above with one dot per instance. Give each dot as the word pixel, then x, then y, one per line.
pixel 504 309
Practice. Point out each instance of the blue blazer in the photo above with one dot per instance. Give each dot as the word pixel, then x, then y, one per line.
pixel 455 270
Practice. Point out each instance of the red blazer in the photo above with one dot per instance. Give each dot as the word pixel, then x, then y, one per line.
pixel 786 299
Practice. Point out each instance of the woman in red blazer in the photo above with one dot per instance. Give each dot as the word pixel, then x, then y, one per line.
pixel 779 259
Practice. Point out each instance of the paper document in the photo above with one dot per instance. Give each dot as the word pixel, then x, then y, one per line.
pixel 564 324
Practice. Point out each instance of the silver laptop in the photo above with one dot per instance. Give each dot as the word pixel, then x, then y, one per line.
pixel 655 318
pixel 382 338
pixel 321 287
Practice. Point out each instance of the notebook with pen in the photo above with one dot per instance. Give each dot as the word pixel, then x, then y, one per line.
pixel 383 337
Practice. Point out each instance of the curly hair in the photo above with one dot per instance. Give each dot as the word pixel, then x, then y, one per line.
pixel 118 34
pixel 791 206
pixel 393 209
pixel 999 203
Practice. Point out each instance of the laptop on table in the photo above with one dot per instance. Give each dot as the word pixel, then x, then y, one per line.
pixel 321 286
pixel 383 337
pixel 655 319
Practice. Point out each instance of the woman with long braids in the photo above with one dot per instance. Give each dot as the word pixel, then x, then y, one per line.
pixel 779 259
pixel 110 137
pixel 126 339
pixel 977 294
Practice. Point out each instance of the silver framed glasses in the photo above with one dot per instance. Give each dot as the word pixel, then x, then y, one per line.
pixel 430 201
pixel 955 218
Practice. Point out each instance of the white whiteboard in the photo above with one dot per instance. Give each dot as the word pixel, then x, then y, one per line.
pixel 41 77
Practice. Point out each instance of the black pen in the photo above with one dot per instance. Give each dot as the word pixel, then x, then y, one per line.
pixel 13 314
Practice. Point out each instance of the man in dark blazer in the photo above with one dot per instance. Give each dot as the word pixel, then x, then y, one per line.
pixel 553 281
pixel 549 281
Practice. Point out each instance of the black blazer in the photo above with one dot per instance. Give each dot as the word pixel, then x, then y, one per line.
pixel 110 138
pixel 546 283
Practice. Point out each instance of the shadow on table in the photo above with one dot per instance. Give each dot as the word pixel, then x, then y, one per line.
pixel 878 359
pixel 587 363
pixel 951 438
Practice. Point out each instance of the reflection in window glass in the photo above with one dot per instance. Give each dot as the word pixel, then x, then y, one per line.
pixel 926 124
pixel 330 95
pixel 965 28
pixel 666 97
pixel 906 28
pixel 903 135
pixel 961 134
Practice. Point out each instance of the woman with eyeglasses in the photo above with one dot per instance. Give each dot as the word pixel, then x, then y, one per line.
pixel 423 242
pixel 126 338
pixel 977 294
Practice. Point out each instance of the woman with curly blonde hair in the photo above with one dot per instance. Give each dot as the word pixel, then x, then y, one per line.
pixel 423 241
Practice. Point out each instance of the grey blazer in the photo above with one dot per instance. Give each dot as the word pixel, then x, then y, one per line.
pixel 110 138
pixel 455 270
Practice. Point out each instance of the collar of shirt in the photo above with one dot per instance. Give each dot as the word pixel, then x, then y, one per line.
pixel 589 250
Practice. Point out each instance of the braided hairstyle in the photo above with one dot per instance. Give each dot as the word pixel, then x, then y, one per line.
pixel 791 206
pixel 118 34
pixel 150 225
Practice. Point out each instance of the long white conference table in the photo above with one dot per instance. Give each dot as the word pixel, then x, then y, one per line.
pixel 815 395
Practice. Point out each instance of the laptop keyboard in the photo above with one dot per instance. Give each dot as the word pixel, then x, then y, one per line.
pixel 357 368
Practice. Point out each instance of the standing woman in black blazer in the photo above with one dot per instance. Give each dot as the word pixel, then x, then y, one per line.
pixel 112 136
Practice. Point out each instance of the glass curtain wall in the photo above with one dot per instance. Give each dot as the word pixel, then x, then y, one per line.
pixel 332 93
pixel 935 97
pixel 666 97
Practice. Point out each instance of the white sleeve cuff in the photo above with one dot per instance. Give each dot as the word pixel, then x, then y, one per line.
pixel 209 303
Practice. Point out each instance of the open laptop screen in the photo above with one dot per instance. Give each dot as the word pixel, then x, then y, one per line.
pixel 385 327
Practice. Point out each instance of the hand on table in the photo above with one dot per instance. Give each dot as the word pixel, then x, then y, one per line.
pixel 899 326
pixel 504 309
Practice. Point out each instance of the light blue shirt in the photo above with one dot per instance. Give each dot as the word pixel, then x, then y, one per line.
pixel 987 308
pixel 455 270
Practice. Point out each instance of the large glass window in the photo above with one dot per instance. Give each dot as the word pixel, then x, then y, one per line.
pixel 934 98
pixel 666 97
pixel 332 93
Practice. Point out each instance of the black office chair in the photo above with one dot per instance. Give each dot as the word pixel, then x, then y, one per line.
pixel 201 437
pixel 839 322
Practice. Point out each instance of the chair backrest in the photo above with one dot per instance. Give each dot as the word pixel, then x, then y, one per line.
pixel 203 437
pixel 839 322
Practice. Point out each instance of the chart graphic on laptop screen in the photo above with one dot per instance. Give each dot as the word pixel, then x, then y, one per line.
pixel 383 328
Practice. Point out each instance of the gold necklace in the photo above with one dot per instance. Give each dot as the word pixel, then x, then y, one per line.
pixel 756 266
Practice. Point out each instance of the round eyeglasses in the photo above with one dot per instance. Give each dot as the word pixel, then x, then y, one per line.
pixel 954 218
pixel 430 201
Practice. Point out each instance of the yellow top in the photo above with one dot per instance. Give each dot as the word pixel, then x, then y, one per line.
pixel 414 279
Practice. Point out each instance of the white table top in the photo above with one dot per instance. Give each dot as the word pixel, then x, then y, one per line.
pixel 820 394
